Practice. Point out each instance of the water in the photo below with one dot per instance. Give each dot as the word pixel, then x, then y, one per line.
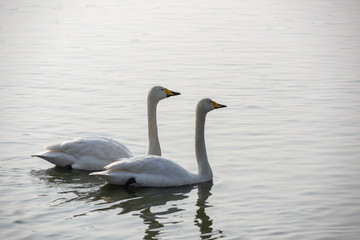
pixel 285 153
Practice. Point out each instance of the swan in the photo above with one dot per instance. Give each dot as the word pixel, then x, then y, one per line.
pixel 94 153
pixel 156 171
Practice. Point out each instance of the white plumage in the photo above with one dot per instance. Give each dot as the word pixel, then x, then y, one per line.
pixel 94 153
pixel 156 171
pixel 90 153
pixel 148 171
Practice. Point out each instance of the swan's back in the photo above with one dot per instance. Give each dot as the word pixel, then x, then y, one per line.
pixel 149 171
pixel 98 147
pixel 90 153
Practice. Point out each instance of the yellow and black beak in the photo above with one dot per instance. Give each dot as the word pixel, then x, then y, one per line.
pixel 217 105
pixel 170 93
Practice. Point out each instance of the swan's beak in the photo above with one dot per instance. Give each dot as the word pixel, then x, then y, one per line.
pixel 217 105
pixel 170 93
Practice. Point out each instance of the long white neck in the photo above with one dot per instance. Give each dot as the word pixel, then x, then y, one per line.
pixel 204 169
pixel 154 144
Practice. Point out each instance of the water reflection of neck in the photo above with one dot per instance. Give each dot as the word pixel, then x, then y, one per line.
pixel 202 220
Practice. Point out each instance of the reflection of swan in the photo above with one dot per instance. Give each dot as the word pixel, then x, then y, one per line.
pixel 138 199
pixel 202 220
pixel 157 207
pixel 144 201
pixel 70 185
pixel 93 153
pixel 153 171
pixel 57 176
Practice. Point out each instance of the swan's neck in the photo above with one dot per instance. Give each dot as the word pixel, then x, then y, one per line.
pixel 154 144
pixel 205 172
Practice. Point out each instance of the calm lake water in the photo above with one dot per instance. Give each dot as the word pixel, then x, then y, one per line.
pixel 285 153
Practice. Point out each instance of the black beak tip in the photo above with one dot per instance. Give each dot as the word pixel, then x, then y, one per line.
pixel 173 94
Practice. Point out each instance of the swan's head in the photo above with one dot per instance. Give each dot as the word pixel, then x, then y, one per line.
pixel 158 93
pixel 206 105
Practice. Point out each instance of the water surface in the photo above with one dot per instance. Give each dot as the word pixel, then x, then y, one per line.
pixel 285 153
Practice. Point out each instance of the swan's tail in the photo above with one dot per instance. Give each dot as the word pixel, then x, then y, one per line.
pixel 42 155
pixel 101 173
pixel 113 178
pixel 57 158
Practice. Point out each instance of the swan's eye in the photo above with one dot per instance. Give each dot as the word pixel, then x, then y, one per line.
pixel 162 89
pixel 210 101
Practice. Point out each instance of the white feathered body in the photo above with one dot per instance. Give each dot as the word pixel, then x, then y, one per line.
pixel 148 171
pixel 90 153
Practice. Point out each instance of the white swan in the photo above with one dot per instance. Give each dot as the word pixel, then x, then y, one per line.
pixel 94 153
pixel 155 171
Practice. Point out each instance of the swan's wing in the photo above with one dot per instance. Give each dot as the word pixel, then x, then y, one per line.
pixel 91 153
pixel 149 171
pixel 95 147
pixel 149 164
